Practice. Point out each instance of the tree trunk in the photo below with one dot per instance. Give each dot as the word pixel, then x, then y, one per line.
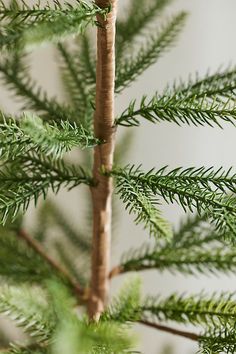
pixel 103 159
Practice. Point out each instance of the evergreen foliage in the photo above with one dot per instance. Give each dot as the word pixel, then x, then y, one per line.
pixel 45 280
pixel 38 24
pixel 187 253
pixel 183 107
pixel 201 188
pixel 18 138
pixel 201 309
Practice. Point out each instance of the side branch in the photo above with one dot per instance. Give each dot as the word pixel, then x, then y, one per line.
pixel 189 335
pixel 116 271
pixel 36 246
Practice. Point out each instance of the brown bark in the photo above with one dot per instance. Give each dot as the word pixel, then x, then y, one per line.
pixel 103 159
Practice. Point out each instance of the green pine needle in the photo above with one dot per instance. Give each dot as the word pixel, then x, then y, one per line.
pixel 79 335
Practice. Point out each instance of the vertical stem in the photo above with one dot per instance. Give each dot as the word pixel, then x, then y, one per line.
pixel 103 158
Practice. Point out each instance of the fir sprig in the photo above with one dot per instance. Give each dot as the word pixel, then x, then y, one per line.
pixel 189 261
pixel 207 311
pixel 187 253
pixel 29 177
pixel 31 134
pixel 194 231
pixel 37 24
pixel 180 109
pixel 188 188
pixel 80 334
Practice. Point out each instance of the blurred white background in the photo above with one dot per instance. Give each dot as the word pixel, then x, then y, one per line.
pixel 207 42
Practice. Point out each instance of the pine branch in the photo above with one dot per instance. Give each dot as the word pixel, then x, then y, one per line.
pixel 180 110
pixel 138 18
pixel 209 312
pixel 57 139
pixel 131 68
pixel 37 25
pixel 31 134
pixel 31 176
pixel 196 248
pixel 35 98
pixel 191 189
pixel 193 261
pixel 140 201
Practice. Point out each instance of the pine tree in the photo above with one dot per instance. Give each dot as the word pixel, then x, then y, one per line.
pixel 48 287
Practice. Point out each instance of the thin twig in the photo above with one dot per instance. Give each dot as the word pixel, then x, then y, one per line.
pixel 189 335
pixel 116 271
pixel 36 246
